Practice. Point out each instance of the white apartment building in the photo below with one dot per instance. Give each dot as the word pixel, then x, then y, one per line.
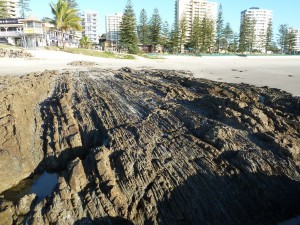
pixel 90 25
pixel 12 8
pixel 192 9
pixel 297 33
pixel 112 26
pixel 262 18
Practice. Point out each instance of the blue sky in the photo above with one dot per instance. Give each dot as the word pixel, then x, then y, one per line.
pixel 283 11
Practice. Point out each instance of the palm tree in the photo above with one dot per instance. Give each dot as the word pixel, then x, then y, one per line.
pixel 65 17
pixel 85 42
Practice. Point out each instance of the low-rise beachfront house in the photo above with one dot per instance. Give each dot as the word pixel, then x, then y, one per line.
pixel 33 33
pixel 10 31
pixel 53 37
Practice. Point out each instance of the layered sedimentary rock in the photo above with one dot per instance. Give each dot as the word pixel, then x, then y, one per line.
pixel 21 148
pixel 150 147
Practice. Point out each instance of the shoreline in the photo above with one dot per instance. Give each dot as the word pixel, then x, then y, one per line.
pixel 280 72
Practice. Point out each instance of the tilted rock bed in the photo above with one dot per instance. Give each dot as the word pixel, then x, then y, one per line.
pixel 149 147
pixel 10 53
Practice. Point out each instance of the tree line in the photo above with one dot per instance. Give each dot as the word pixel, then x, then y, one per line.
pixel 206 35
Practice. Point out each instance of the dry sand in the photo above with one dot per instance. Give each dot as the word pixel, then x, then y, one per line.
pixel 150 136
pixel 281 72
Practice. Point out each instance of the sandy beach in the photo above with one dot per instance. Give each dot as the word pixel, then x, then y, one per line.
pixel 281 72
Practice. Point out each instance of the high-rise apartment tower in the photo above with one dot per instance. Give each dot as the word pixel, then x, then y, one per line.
pixel 112 26
pixel 90 25
pixel 261 18
pixel 192 9
pixel 297 38
pixel 12 8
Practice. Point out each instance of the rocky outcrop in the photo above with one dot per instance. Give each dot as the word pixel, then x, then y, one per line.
pixel 156 147
pixel 10 53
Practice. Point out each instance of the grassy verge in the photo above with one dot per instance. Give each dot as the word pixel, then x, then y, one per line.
pixel 91 52
pixel 149 56
pixel 5 46
pixel 220 55
pixel 52 48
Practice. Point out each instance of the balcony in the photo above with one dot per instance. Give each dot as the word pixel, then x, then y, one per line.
pixel 10 34
pixel 33 30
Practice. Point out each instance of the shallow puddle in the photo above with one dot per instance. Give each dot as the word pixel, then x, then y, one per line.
pixel 41 185
pixel 262 99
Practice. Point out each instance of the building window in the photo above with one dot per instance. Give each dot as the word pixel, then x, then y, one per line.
pixel 29 24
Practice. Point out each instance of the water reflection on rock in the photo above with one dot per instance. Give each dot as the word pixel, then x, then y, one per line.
pixel 41 185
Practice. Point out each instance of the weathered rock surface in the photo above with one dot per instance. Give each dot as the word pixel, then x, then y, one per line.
pixel 24 204
pixel 151 147
pixel 10 53
pixel 6 213
pixel 21 148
